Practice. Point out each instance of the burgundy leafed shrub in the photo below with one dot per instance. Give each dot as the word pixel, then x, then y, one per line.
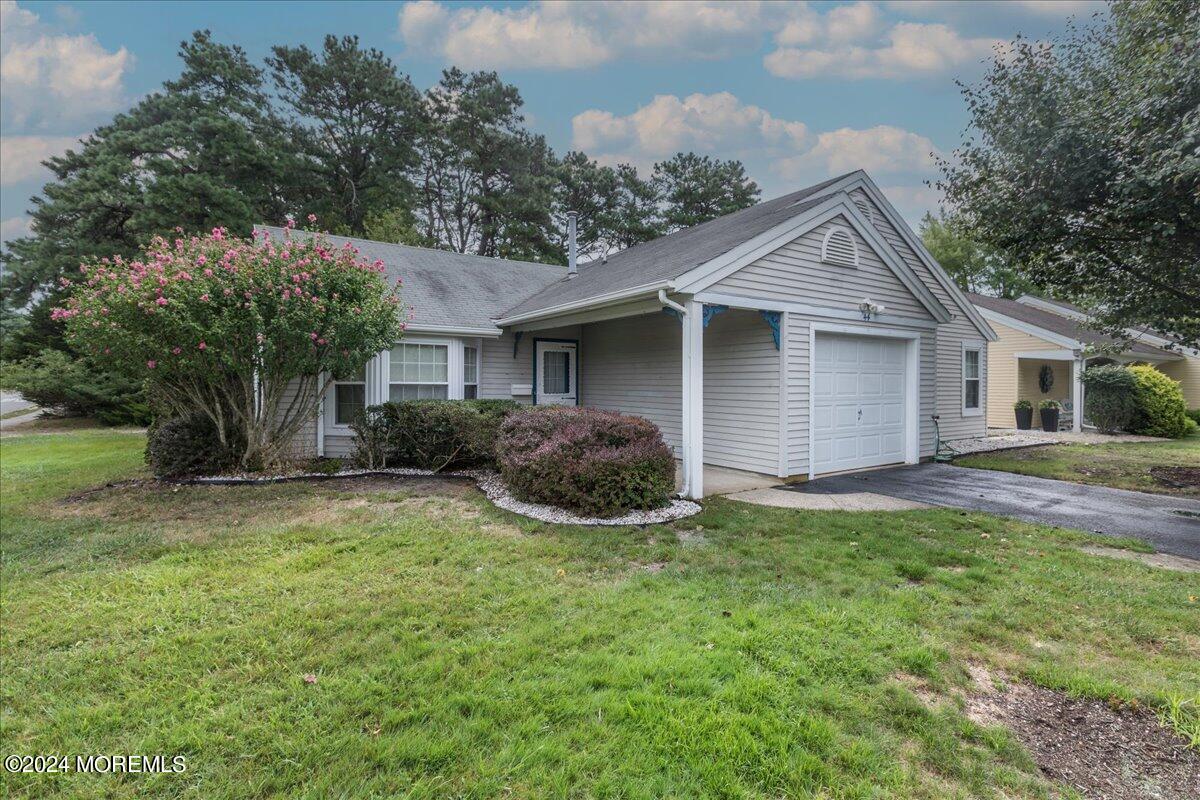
pixel 594 462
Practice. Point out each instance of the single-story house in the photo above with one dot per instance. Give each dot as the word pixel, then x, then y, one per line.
pixel 1046 343
pixel 808 334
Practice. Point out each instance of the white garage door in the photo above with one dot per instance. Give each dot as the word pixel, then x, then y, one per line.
pixel 858 402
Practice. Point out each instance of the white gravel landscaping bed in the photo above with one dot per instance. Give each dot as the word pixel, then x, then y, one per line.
pixel 1004 439
pixel 493 488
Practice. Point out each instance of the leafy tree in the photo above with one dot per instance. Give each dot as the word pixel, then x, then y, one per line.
pixel 246 332
pixel 396 225
pixel 973 266
pixel 205 151
pixel 1081 167
pixel 694 189
pixel 485 183
pixel 356 120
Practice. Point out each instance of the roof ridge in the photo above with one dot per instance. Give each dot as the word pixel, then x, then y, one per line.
pixel 425 249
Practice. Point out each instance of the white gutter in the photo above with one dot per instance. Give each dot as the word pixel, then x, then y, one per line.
pixel 662 298
pixel 454 330
pixel 610 298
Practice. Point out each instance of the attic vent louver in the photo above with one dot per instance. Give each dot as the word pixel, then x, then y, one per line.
pixel 865 207
pixel 838 247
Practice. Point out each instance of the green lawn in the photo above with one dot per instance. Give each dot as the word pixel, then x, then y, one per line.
pixel 462 651
pixel 1122 465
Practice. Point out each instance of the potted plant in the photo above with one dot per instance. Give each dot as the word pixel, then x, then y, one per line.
pixel 1024 410
pixel 1049 410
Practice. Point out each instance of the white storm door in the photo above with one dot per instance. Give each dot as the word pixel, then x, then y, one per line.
pixel 555 373
pixel 858 412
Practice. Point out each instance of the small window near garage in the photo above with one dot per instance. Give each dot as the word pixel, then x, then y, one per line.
pixel 349 397
pixel 838 247
pixel 972 383
pixel 419 372
pixel 470 372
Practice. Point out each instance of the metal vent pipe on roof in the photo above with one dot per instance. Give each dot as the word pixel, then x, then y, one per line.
pixel 572 267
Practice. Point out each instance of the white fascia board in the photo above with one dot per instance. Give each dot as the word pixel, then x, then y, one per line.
pixel 1047 355
pixel 1053 308
pixel 454 330
pixel 860 180
pixel 715 270
pixel 1032 330
pixel 608 298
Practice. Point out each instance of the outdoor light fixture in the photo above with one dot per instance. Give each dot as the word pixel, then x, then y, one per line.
pixel 870 309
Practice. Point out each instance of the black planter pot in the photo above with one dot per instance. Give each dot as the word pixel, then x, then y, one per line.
pixel 1024 418
pixel 1049 419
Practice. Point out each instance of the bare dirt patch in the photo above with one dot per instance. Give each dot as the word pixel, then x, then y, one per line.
pixel 1160 560
pixel 1104 752
pixel 1177 477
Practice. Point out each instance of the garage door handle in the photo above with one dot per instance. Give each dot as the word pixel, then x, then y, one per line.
pixel 860 414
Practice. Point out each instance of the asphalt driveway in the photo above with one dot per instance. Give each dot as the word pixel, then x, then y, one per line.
pixel 1170 524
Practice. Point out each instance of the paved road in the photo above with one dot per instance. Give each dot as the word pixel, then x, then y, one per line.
pixel 1112 512
pixel 12 402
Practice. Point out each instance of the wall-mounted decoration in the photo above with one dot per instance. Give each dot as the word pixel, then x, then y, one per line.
pixel 1046 378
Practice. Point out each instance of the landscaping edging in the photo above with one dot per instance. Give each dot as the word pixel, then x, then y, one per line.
pixel 489 483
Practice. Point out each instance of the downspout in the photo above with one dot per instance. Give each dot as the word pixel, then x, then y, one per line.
pixel 684 410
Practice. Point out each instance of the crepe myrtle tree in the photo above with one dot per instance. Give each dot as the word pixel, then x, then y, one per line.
pixel 226 326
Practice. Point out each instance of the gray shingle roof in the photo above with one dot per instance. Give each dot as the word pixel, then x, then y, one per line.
pixel 451 289
pixel 1056 323
pixel 670 256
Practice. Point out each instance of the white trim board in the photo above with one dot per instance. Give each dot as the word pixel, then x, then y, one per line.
pixel 764 304
pixel 860 180
pixel 1031 329
pixel 1046 355
pixel 841 204
pixel 453 330
pixel 607 298
pixel 981 348
pixel 912 384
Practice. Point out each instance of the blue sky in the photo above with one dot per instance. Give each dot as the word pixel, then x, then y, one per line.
pixel 797 91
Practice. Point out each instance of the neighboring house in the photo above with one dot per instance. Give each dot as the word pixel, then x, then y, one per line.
pixel 754 341
pixel 1036 334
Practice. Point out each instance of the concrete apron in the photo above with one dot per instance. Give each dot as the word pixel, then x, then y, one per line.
pixel 760 490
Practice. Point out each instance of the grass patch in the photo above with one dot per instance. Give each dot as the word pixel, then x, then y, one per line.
pixel 1121 465
pixel 458 650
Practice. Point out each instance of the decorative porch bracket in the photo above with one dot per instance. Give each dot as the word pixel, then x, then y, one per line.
pixel 672 312
pixel 712 311
pixel 772 319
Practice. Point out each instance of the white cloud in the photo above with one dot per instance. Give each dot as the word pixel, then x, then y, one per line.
pixel 908 49
pixel 559 35
pixel 21 156
pixel 48 78
pixel 14 228
pixel 879 150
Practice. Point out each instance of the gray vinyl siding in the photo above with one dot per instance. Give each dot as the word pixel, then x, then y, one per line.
pixel 950 337
pixel 795 273
pixel 798 346
pixel 741 393
pixel 501 369
pixel 634 365
pixel 304 442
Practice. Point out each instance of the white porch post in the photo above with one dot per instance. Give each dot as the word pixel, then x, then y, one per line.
pixel 1077 406
pixel 693 400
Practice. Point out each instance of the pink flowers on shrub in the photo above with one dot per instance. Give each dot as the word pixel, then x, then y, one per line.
pixel 595 462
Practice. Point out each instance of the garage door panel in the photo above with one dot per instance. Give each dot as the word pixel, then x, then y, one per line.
pixel 858 412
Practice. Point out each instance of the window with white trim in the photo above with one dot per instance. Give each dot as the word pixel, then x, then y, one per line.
pixel 419 372
pixel 470 372
pixel 972 380
pixel 349 397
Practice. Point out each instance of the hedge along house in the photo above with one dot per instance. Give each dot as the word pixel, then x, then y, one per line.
pixel 1042 348
pixel 806 335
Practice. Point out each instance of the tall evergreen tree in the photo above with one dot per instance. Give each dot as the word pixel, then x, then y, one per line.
pixel 356 120
pixel 636 214
pixel 694 189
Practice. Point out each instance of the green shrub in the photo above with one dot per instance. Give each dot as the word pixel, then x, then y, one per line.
pixel 1022 405
pixel 1109 397
pixel 1194 415
pixel 594 462
pixel 1161 410
pixel 431 434
pixel 55 381
pixel 1046 405
pixel 188 446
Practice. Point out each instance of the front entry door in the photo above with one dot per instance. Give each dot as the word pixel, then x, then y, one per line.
pixel 555 373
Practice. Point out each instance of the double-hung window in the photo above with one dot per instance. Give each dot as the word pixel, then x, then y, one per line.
pixel 470 372
pixel 419 372
pixel 349 396
pixel 972 381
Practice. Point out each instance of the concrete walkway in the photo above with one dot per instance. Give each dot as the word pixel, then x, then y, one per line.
pixel 781 497
pixel 1170 524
